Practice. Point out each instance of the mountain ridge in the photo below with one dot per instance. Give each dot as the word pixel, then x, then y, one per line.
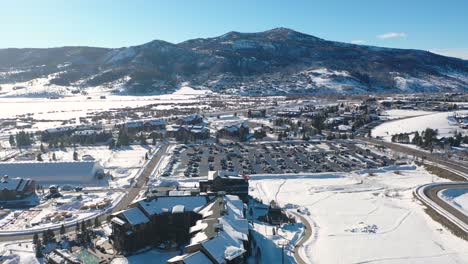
pixel 276 61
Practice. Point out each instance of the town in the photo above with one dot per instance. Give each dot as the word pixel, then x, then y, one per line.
pixel 198 177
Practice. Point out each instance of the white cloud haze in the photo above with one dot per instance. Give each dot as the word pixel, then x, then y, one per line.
pixel 457 53
pixel 392 35
pixel 358 41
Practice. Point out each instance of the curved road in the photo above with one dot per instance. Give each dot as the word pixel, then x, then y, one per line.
pixel 303 240
pixel 431 190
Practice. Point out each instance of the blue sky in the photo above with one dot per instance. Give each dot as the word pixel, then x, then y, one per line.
pixel 428 25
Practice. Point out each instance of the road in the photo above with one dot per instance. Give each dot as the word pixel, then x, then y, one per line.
pixel 303 240
pixel 132 193
pixel 455 165
pixel 431 191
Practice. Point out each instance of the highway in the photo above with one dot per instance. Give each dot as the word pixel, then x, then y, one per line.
pixel 437 159
pixel 132 193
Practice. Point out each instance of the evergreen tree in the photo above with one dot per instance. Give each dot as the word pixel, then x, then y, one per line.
pixel 12 140
pixel 62 230
pixel 38 249
pixel 75 155
pixel 54 158
pixel 96 222
pixel 39 157
pixel 112 144
pixel 35 238
pixel 45 237
pixel 42 148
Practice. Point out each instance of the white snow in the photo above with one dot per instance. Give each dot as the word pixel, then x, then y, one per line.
pixel 365 218
pixel 400 113
pixel 439 121
pixel 458 197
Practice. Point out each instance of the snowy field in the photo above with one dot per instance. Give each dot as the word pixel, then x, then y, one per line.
pixel 365 217
pixel 79 106
pixel 438 121
pixel 400 113
pixel 456 197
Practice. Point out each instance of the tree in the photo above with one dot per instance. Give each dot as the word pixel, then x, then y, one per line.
pixel 12 140
pixel 51 235
pixel 75 155
pixel 142 139
pixel 123 139
pixel 96 222
pixel 54 158
pixel 38 249
pixel 45 237
pixel 42 148
pixel 112 144
pixel 77 228
pixel 35 238
pixel 83 227
pixel 39 157
pixel 62 230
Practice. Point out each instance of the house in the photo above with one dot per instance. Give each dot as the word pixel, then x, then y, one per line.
pixel 190 120
pixel 188 133
pixel 234 130
pixel 154 124
pixel 54 172
pixel 256 113
pixel 227 182
pixel 56 132
pixel 16 188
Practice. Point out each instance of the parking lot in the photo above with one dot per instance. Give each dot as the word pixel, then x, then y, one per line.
pixel 272 158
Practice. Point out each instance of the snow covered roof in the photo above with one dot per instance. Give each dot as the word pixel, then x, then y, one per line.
pixel 11 184
pixel 221 247
pixel 190 118
pixel 135 216
pixel 193 258
pixel 52 172
pixel 164 204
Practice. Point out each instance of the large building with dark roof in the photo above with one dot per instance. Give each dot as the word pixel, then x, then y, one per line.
pixel 16 188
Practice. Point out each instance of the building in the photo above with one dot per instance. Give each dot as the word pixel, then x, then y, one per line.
pixel 61 256
pixel 228 182
pixel 156 220
pixel 57 132
pixel 234 130
pixel 188 132
pixel 220 236
pixel 154 124
pixel 16 188
pixel 190 120
pixel 54 172
pixel 213 228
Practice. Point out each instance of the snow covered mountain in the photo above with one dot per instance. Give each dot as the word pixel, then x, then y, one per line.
pixel 276 61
